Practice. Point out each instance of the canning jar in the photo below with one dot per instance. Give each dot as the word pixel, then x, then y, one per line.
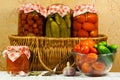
pixel 17 59
pixel 85 21
pixel 58 23
pixel 31 20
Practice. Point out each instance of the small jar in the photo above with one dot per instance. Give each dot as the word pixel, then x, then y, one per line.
pixel 31 20
pixel 17 59
pixel 85 21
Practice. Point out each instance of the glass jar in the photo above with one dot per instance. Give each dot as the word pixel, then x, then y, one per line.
pixel 31 20
pixel 58 23
pixel 21 64
pixel 17 59
pixel 85 21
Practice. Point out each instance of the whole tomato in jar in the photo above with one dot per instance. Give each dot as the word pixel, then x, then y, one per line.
pixel 82 33
pixel 92 17
pixel 88 26
pixel 76 25
pixel 94 33
pixel 81 18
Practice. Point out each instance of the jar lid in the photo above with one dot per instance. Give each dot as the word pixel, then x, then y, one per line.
pixel 27 8
pixel 81 9
pixel 14 52
pixel 58 8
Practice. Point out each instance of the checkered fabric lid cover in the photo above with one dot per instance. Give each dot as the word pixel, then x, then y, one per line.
pixel 81 9
pixel 14 52
pixel 58 8
pixel 27 8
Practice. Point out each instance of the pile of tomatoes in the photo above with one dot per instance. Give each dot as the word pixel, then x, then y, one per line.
pixel 85 46
pixel 87 58
pixel 85 25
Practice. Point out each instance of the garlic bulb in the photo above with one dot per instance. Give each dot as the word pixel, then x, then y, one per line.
pixel 68 70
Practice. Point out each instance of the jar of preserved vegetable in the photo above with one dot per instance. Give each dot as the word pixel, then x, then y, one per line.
pixel 58 23
pixel 17 59
pixel 85 21
pixel 31 20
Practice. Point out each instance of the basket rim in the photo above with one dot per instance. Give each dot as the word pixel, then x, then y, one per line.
pixel 39 37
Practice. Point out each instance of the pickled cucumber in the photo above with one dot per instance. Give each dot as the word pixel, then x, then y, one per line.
pixel 58 18
pixel 68 20
pixel 48 28
pixel 63 29
pixel 55 29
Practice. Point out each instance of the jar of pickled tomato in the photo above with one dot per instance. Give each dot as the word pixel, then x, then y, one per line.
pixel 31 20
pixel 17 59
pixel 85 21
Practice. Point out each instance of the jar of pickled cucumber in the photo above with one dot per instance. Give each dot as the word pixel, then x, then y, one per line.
pixel 31 20
pixel 17 59
pixel 58 22
pixel 85 21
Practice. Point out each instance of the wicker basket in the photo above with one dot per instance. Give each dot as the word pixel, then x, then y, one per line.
pixel 47 52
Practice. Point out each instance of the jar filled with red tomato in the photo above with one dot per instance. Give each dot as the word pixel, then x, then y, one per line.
pixel 85 21
pixel 17 59
pixel 31 20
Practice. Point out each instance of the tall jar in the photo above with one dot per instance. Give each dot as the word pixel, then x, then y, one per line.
pixel 31 20
pixel 17 59
pixel 58 23
pixel 85 21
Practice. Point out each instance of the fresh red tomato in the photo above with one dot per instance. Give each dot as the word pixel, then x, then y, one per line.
pixel 88 42
pixel 93 50
pixel 84 49
pixel 91 58
pixel 84 43
pixel 76 48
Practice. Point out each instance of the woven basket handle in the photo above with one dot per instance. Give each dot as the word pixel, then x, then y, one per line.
pixel 43 64
pixel 60 62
